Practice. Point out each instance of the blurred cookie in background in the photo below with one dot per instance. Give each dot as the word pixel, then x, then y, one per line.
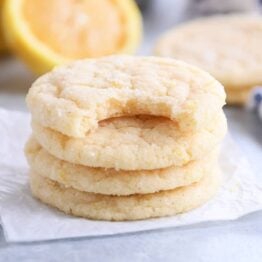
pixel 227 46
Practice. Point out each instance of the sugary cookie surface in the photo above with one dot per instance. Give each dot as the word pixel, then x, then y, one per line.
pixel 73 99
pixel 102 207
pixel 115 182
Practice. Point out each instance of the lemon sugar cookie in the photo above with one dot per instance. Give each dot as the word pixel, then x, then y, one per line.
pixel 228 47
pixel 111 181
pixel 72 99
pixel 101 207
pixel 133 143
pixel 125 138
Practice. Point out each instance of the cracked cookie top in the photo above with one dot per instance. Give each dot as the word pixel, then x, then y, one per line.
pixel 74 98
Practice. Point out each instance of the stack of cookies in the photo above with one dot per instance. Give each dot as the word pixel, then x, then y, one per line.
pixel 125 138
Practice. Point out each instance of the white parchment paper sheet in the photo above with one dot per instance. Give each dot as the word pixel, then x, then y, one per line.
pixel 26 219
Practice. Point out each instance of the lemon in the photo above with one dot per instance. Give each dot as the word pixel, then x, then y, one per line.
pixel 2 41
pixel 51 32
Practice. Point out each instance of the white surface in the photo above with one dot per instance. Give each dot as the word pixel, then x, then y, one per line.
pixel 21 214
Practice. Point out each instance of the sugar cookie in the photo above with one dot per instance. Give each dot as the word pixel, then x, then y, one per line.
pixel 112 182
pixel 72 99
pixel 101 207
pixel 133 143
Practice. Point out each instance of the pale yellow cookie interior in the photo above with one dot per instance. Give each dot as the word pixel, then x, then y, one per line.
pixel 101 207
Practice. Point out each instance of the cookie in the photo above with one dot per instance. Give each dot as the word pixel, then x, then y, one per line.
pixel 74 98
pixel 102 207
pixel 237 97
pixel 133 143
pixel 228 47
pixel 111 181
